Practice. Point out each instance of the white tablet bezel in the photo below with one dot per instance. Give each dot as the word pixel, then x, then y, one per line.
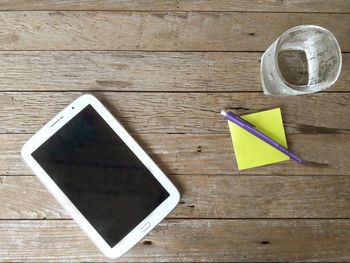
pixel 145 225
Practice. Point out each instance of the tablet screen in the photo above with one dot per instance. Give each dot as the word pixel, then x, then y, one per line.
pixel 101 176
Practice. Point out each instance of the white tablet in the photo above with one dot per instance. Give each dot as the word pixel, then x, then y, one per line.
pixel 100 175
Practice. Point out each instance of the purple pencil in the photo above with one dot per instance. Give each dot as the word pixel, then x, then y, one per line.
pixel 250 128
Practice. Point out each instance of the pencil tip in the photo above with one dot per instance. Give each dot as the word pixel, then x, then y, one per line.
pixel 223 112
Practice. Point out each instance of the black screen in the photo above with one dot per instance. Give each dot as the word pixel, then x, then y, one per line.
pixel 101 176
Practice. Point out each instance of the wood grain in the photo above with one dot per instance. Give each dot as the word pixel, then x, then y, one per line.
pixel 143 112
pixel 161 31
pixel 210 154
pixel 202 196
pixel 165 69
pixel 137 71
pixel 184 241
pixel 334 6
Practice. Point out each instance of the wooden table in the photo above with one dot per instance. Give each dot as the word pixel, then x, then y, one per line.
pixel 166 69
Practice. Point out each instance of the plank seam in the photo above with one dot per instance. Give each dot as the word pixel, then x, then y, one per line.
pixel 169 11
pixel 154 91
pixel 202 218
pixel 138 50
pixel 219 175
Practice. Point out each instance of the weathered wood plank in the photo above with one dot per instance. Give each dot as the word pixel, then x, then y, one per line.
pixel 142 112
pixel 176 31
pixel 212 154
pixel 137 71
pixel 24 197
pixel 335 6
pixel 184 241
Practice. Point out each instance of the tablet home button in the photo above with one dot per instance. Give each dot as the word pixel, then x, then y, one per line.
pixel 146 226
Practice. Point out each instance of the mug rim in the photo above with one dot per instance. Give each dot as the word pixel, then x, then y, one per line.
pixel 329 34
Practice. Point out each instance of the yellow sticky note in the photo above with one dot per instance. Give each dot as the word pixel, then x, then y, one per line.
pixel 251 151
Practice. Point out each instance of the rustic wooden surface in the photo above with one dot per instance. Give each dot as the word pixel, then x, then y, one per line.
pixel 23 197
pixel 185 240
pixel 67 71
pixel 157 31
pixel 192 58
pixel 319 6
